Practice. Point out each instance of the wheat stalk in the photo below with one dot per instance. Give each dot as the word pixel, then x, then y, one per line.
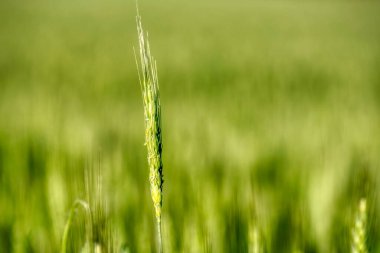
pixel 359 230
pixel 152 113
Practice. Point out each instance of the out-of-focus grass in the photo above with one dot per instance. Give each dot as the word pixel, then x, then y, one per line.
pixel 270 121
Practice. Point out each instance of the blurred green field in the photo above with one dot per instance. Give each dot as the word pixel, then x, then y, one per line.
pixel 271 124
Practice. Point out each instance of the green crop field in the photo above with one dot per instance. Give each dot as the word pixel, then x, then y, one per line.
pixel 270 116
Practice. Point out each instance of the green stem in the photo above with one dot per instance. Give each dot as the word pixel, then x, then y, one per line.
pixel 160 248
pixel 65 236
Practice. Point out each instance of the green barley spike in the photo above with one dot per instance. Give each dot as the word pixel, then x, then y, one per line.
pixel 152 113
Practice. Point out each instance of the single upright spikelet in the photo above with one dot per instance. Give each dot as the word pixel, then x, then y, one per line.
pixel 359 230
pixel 152 113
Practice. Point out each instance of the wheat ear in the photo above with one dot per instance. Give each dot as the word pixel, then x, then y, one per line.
pixel 152 113
pixel 359 230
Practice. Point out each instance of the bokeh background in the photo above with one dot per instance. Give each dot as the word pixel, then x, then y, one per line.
pixel 271 124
